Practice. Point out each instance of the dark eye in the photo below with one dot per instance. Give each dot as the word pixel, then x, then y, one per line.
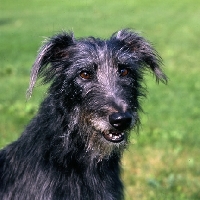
pixel 123 72
pixel 85 75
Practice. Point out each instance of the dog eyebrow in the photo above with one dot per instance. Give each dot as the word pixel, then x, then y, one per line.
pixel 128 61
pixel 84 62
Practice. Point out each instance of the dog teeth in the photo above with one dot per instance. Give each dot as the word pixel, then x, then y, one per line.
pixel 119 135
pixel 114 136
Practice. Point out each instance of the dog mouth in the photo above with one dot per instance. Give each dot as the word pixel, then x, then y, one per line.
pixel 114 136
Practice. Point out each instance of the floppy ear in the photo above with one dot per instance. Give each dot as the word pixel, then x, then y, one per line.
pixel 53 51
pixel 143 52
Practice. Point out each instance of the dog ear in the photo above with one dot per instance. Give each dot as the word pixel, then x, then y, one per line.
pixel 53 51
pixel 143 51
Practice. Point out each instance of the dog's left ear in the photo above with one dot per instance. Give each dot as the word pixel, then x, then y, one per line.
pixel 143 52
pixel 53 52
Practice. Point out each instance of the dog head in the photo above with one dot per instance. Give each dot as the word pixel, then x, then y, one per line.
pixel 99 81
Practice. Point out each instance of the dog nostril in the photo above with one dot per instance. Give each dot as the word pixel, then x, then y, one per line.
pixel 120 121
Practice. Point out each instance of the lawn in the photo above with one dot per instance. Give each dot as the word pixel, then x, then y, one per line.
pixel 163 160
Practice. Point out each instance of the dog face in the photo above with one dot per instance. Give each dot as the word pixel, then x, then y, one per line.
pixel 99 81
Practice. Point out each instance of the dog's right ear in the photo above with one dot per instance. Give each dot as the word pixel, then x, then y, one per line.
pixel 53 51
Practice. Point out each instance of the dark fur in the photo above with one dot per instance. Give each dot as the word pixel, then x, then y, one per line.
pixel 62 154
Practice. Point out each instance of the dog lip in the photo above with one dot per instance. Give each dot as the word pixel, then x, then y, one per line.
pixel 114 136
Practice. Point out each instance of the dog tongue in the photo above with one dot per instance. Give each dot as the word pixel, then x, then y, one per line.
pixel 114 137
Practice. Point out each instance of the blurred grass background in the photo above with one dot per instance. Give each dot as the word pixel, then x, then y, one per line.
pixel 163 161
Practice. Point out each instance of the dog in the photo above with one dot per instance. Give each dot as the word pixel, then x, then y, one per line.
pixel 72 148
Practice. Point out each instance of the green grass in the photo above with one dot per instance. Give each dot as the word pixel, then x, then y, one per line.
pixel 163 161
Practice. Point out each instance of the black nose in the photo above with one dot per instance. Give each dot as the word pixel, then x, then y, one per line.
pixel 120 121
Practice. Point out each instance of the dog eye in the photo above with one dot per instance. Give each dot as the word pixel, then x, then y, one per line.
pixel 85 75
pixel 123 72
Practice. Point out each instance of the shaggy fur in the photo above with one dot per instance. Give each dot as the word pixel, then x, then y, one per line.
pixel 72 148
